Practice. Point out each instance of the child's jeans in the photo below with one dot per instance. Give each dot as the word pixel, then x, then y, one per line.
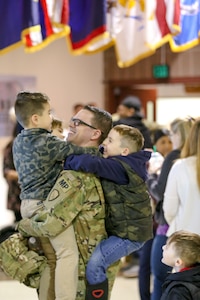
pixel 105 254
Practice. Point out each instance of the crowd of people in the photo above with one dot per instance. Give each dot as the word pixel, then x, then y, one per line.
pixel 112 189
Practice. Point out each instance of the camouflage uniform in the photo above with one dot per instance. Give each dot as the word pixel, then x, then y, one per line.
pixel 78 198
pixel 19 263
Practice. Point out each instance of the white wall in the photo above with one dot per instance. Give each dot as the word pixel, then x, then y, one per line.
pixel 170 108
pixel 66 79
pixel 174 102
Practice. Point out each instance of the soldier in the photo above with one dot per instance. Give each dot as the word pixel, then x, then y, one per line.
pixel 77 198
pixel 38 158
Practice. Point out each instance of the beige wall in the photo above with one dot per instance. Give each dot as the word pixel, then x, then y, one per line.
pixel 66 79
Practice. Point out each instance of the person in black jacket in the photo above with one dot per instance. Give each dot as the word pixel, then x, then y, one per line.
pixel 129 114
pixel 182 252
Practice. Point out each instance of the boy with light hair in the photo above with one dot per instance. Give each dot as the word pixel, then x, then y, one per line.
pixel 182 252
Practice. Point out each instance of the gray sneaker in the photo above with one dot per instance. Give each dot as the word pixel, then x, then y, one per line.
pixel 132 272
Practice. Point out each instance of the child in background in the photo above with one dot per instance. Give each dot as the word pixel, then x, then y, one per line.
pixel 57 128
pixel 182 252
pixel 122 171
pixel 38 158
pixel 162 145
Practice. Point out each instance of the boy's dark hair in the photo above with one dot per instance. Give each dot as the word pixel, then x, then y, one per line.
pixel 187 246
pixel 28 104
pixel 132 138
pixel 102 120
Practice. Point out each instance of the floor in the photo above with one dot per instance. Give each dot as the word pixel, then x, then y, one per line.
pixel 123 289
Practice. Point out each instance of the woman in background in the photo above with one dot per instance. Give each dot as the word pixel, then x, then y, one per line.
pixel 182 195
pixel 180 129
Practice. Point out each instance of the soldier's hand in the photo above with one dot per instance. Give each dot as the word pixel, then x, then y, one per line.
pixel 23 227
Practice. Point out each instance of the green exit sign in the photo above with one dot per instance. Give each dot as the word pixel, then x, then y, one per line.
pixel 160 71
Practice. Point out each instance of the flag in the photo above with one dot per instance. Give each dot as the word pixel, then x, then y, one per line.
pixel 13 19
pixel 31 23
pixel 130 42
pixel 189 26
pixel 52 17
pixel 162 21
pixel 87 22
pixel 146 25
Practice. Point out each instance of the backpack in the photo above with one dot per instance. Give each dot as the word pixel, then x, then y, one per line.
pixel 17 261
pixel 194 291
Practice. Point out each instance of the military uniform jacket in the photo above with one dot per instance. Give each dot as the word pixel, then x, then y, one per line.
pixel 76 198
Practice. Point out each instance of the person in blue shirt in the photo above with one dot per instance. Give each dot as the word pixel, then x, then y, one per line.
pixel 123 173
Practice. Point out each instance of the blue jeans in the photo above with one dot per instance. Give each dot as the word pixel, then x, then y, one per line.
pixel 106 253
pixel 159 270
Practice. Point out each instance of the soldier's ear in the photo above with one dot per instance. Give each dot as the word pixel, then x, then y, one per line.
pixel 96 134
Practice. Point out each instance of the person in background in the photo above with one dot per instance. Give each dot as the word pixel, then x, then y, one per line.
pixel 162 145
pixel 57 128
pixel 11 177
pixel 182 253
pixel 38 159
pixel 77 107
pixel 128 228
pixel 129 112
pixel 182 194
pixel 179 130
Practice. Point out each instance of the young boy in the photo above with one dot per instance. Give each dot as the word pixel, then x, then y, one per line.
pixel 122 171
pixel 38 158
pixel 182 252
pixel 57 128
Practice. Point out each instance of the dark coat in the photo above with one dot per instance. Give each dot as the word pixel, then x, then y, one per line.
pixel 183 285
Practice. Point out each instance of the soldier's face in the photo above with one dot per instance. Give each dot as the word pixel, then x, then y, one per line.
pixel 81 134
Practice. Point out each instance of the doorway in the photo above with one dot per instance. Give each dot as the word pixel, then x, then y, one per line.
pixel 147 97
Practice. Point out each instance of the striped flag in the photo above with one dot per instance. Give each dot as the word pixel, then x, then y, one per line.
pixel 52 18
pixel 31 23
pixel 146 25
